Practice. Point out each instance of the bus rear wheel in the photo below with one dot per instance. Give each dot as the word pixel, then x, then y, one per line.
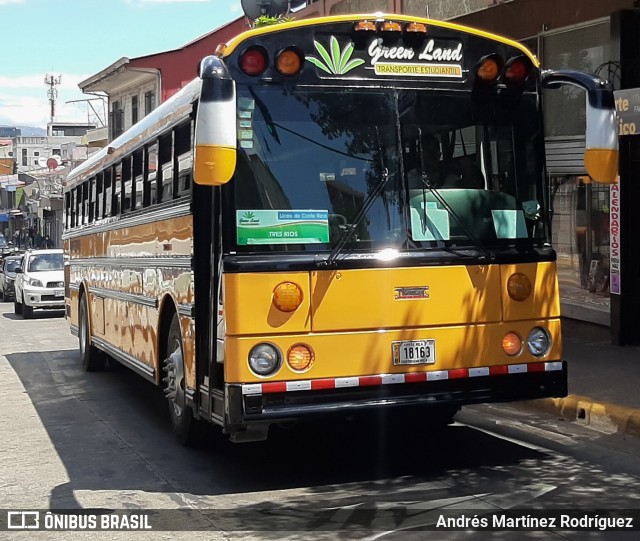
pixel 92 358
pixel 183 425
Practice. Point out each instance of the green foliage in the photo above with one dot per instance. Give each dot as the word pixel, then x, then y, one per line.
pixel 267 20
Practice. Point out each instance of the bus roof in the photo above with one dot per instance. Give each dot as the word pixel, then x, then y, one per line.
pixel 167 114
pixel 230 46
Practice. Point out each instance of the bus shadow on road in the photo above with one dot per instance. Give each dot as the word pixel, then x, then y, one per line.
pixel 110 431
pixel 45 314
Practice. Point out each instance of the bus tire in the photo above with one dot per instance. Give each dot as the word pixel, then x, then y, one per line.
pixel 92 358
pixel 114 365
pixel 183 424
pixel 442 416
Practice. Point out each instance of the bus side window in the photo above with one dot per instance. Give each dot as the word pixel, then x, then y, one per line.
pixel 72 208
pixel 85 202
pixel 165 166
pixel 108 192
pixel 67 210
pixel 99 196
pixel 151 170
pixel 78 205
pixel 117 190
pixel 183 158
pixel 138 178
pixel 92 200
pixel 126 184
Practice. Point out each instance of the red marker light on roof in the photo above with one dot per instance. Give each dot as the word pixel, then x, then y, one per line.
pixel 254 61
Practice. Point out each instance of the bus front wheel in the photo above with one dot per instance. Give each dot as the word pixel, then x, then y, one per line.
pixel 92 358
pixel 183 425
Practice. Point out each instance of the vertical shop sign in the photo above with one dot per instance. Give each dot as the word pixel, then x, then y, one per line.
pixel 614 239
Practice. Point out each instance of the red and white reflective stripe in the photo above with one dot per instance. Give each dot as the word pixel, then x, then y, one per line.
pixel 391 379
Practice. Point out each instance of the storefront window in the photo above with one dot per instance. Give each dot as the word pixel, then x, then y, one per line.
pixel 584 49
pixel 580 224
pixel 580 229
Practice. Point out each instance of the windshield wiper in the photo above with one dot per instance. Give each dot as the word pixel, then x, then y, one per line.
pixel 426 183
pixel 366 205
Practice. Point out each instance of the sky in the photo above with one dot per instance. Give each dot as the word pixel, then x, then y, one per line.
pixel 75 39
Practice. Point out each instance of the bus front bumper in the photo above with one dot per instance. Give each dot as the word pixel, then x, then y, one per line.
pixel 289 401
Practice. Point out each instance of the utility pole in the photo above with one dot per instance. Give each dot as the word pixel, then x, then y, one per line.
pixel 52 82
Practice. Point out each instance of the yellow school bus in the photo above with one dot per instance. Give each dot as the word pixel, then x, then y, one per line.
pixel 337 216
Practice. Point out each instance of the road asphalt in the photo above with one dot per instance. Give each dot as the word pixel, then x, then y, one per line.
pixel 604 380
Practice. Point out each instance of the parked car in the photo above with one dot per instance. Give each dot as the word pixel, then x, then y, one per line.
pixel 39 282
pixel 8 267
pixel 5 247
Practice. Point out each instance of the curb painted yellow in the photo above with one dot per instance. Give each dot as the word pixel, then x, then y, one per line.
pixel 583 409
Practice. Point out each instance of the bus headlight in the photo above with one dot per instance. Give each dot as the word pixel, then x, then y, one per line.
pixel 264 359
pixel 538 342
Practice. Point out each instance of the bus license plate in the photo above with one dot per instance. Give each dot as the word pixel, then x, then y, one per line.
pixel 414 352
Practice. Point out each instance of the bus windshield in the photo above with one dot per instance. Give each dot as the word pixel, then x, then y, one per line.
pixel 309 159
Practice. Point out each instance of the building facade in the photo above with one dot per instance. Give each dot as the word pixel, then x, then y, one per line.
pixel 134 87
pixel 32 171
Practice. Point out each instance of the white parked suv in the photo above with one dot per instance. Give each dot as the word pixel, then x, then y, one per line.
pixel 39 282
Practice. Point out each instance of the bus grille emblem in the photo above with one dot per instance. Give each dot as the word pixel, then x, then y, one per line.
pixel 413 292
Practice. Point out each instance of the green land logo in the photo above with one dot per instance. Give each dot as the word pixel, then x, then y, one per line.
pixel 335 61
pixel 248 218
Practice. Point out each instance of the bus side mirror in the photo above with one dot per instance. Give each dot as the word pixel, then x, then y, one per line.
pixel 601 149
pixel 215 134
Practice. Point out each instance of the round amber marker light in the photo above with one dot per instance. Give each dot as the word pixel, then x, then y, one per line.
pixel 287 296
pixel 512 344
pixel 519 286
pixel 300 357
pixel 288 62
pixel 488 70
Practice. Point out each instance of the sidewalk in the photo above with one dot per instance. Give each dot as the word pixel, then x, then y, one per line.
pixel 604 380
